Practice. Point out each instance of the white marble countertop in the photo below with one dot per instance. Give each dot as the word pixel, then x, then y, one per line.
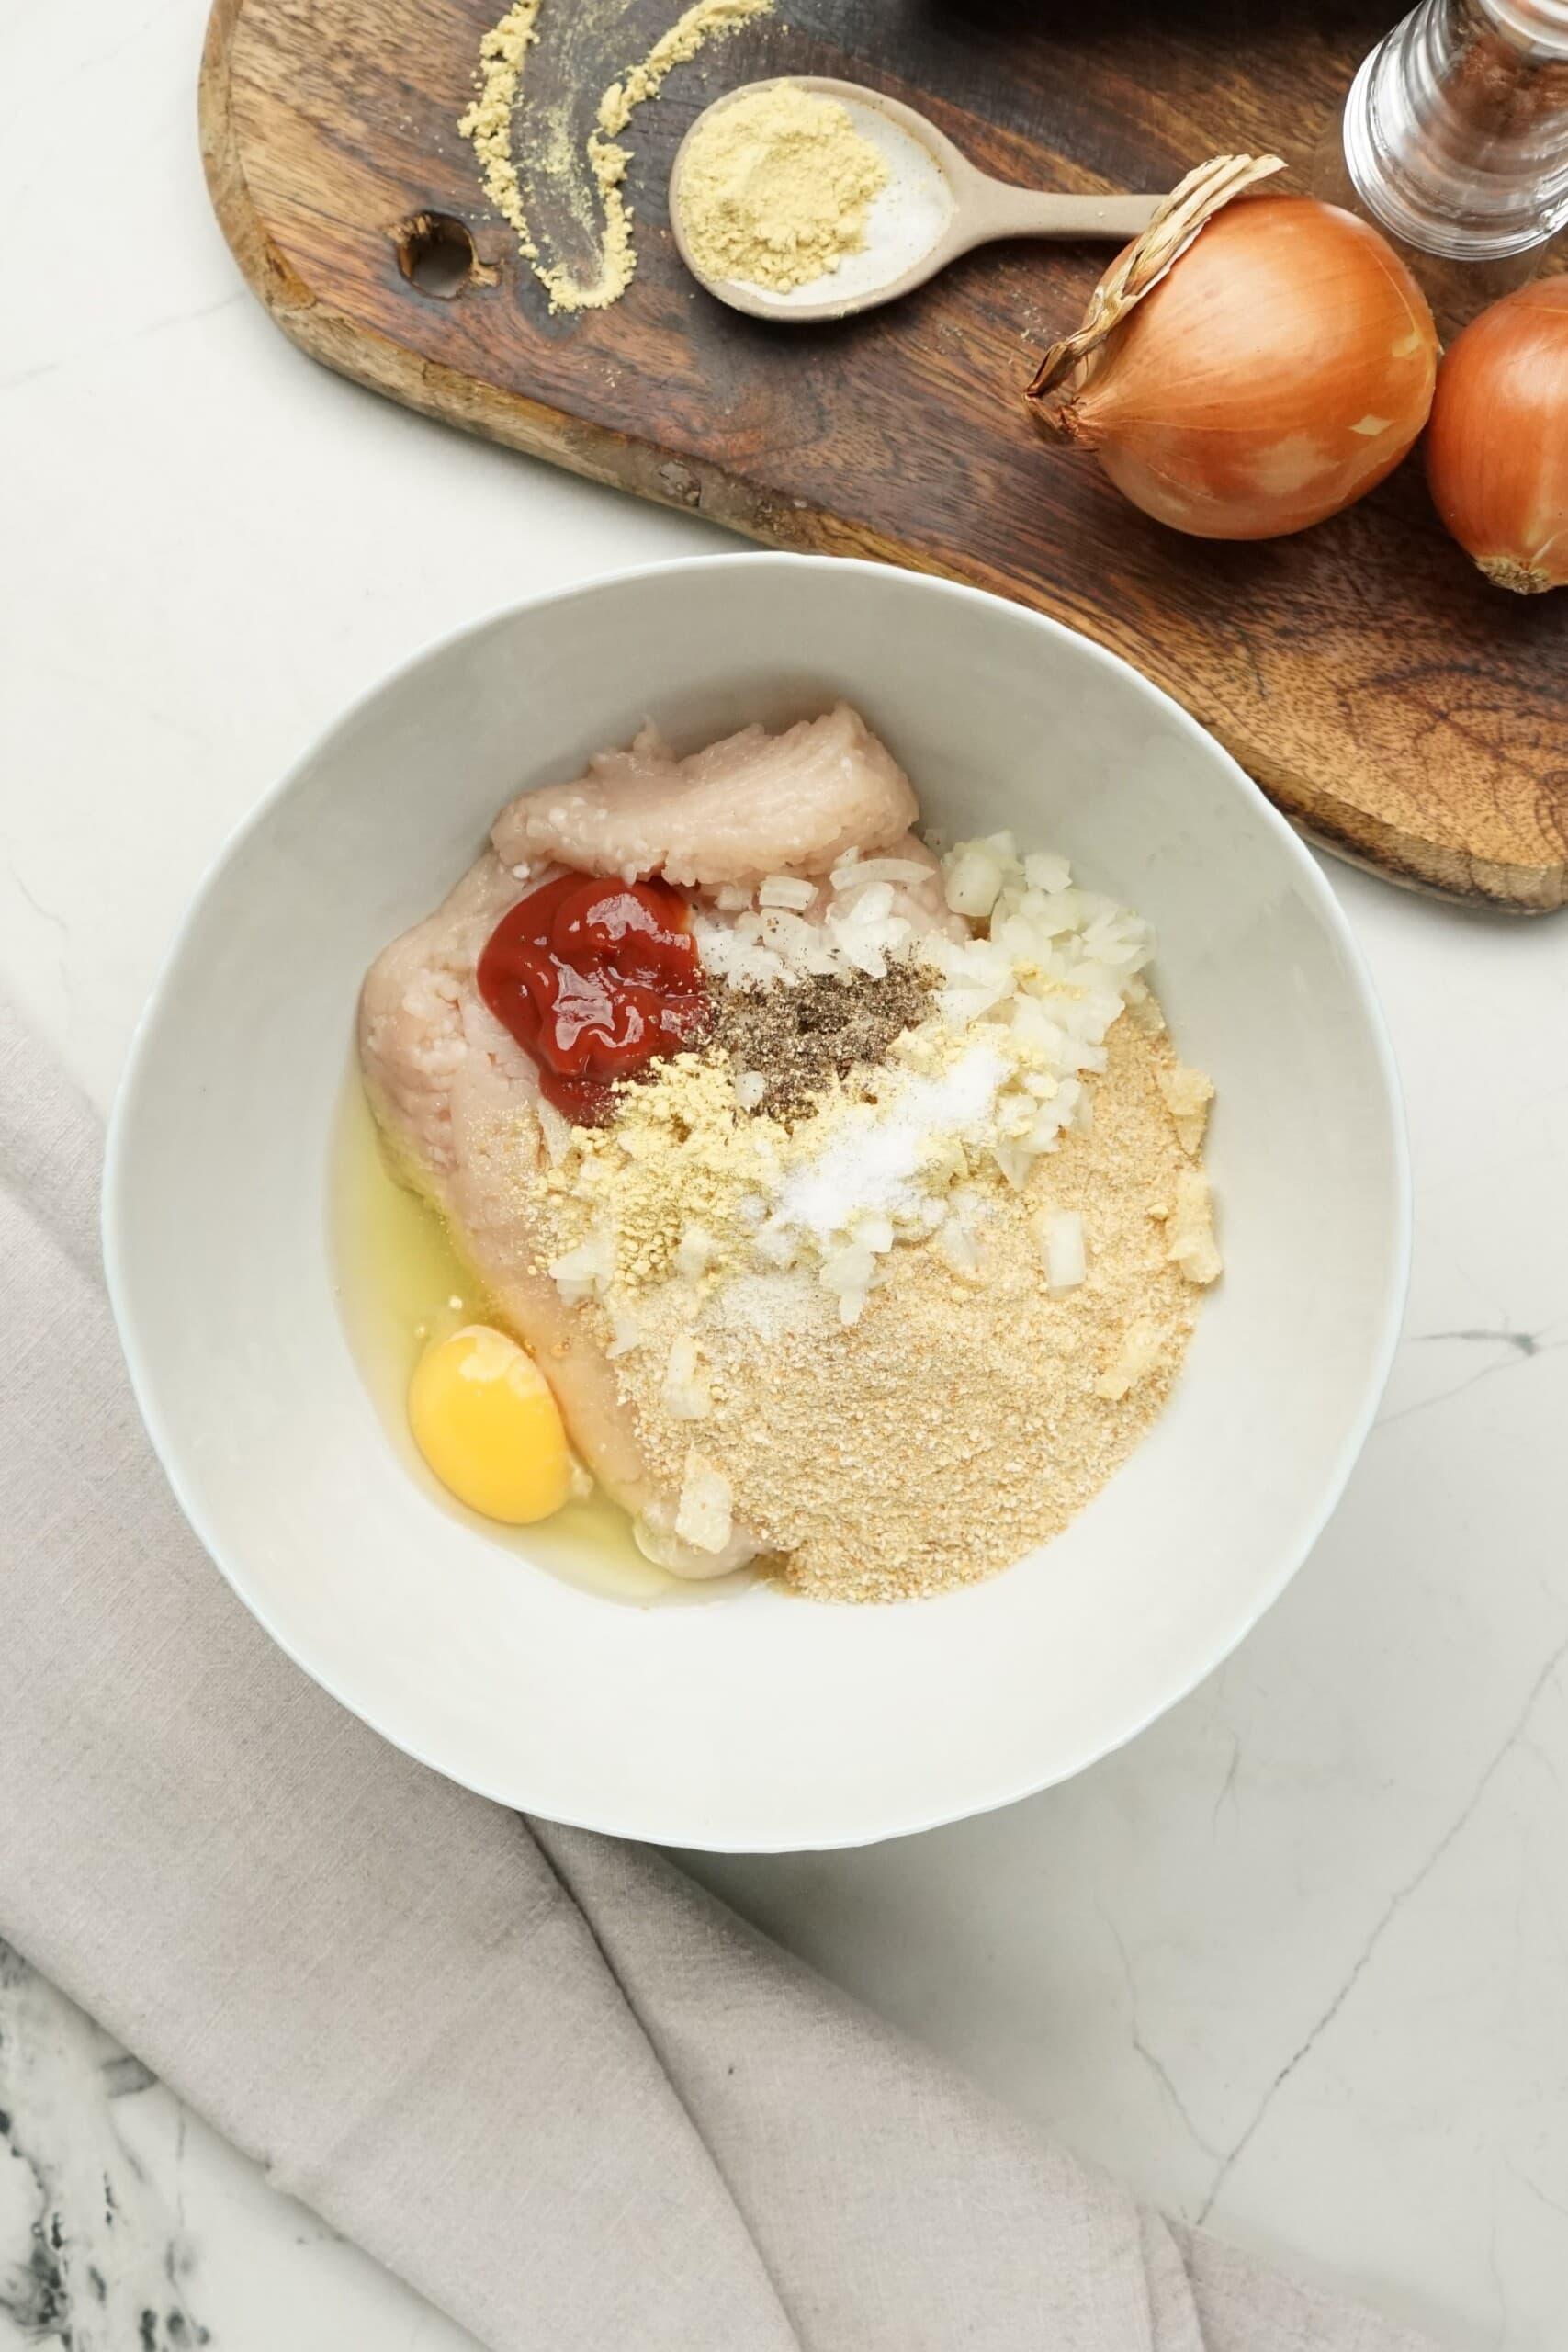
pixel 1297 1962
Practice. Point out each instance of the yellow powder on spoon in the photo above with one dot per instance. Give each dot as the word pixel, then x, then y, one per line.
pixel 775 188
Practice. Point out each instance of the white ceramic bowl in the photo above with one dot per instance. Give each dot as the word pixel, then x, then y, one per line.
pixel 757 1720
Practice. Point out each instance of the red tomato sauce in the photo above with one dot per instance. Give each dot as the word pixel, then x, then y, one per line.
pixel 594 978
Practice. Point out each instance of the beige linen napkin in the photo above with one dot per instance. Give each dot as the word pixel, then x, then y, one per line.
pixel 573 2101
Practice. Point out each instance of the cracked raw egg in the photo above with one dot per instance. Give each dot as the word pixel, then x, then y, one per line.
pixel 482 1415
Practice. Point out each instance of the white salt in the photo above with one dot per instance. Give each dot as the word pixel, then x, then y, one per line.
pixel 870 1166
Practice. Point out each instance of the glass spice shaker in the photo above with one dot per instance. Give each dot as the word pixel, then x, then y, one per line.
pixel 1454 142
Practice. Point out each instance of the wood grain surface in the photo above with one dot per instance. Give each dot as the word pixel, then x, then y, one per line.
pixel 1397 709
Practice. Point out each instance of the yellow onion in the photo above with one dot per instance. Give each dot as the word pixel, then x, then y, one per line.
pixel 1497 449
pixel 1266 374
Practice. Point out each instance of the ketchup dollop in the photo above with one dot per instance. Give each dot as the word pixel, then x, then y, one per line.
pixel 596 977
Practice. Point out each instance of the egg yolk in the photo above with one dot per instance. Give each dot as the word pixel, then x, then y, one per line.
pixel 482 1415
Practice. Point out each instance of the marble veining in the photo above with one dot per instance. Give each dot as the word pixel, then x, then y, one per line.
pixel 126 2225
pixel 1402 1895
pixel 93 2252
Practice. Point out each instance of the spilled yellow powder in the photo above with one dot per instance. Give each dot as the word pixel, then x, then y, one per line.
pixel 701 23
pixel 488 122
pixel 775 187
pixel 493 125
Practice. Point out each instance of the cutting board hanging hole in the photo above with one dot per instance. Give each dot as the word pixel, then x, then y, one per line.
pixel 436 254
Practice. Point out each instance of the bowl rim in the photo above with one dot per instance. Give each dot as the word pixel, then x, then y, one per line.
pixel 1315 886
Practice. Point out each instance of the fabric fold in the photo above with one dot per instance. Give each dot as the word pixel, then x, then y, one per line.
pixel 540 2074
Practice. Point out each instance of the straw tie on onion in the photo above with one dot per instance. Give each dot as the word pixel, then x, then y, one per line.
pixel 1241 372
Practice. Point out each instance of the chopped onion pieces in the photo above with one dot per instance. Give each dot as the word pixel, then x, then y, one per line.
pixel 1060 1234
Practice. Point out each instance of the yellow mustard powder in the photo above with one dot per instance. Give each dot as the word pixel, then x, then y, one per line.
pixel 680 1153
pixel 775 188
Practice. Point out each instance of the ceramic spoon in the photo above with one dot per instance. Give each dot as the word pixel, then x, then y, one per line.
pixel 934 207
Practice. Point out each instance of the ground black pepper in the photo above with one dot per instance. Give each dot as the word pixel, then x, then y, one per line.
pixel 799 1039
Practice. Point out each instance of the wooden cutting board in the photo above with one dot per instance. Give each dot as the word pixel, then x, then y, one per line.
pixel 1396 707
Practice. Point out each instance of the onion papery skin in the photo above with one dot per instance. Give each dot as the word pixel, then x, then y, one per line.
pixel 1497 447
pixel 1281 371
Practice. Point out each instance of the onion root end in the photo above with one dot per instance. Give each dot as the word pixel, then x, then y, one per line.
pixel 1509 572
